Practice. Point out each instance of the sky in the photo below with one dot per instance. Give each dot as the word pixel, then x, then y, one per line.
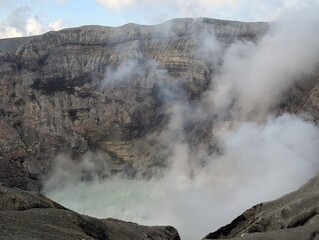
pixel 32 17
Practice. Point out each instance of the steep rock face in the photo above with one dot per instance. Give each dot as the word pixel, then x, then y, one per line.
pixel 293 216
pixel 29 215
pixel 303 98
pixel 99 89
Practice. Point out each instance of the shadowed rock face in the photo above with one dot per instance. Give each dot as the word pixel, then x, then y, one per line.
pixel 29 215
pixel 98 88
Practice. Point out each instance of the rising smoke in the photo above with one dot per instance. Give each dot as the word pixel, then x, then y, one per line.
pixel 260 156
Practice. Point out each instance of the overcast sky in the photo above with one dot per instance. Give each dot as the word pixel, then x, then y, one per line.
pixel 30 17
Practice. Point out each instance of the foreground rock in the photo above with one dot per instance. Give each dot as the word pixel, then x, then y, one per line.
pixel 294 216
pixel 29 215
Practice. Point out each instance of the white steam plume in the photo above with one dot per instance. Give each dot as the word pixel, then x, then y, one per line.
pixel 259 162
pixel 260 156
pixel 257 75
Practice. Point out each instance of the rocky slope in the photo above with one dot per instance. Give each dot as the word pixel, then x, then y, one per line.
pixel 100 89
pixel 29 215
pixel 293 216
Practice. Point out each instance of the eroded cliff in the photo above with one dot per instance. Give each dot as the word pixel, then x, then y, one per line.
pixel 100 89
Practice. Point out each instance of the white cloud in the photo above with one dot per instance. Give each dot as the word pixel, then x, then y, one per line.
pixel 9 32
pixel 19 23
pixel 117 4
pixel 56 25
pixel 35 27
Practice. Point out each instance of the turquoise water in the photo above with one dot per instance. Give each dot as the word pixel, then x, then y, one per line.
pixel 145 202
